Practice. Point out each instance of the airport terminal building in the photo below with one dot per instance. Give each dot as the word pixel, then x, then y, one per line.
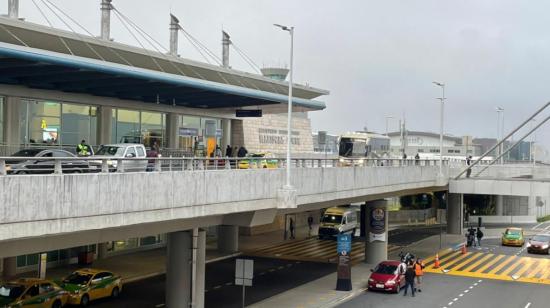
pixel 59 87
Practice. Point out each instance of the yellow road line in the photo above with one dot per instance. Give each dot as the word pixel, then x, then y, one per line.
pixel 527 265
pixel 543 265
pixel 466 260
pixel 546 274
pixel 462 257
pixel 513 266
pixel 478 262
pixel 486 266
pixel 444 258
pixel 501 265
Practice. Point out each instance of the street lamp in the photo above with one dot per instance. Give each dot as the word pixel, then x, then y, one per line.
pixel 387 118
pixel 289 117
pixel 442 100
pixel 500 131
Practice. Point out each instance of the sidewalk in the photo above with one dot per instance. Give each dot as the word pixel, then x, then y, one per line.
pixel 321 293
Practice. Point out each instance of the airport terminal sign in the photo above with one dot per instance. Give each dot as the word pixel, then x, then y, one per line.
pixel 377 224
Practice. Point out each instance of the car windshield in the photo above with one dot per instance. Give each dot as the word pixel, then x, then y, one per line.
pixel 332 218
pixel 513 232
pixel 385 269
pixel 27 153
pixel 77 278
pixel 11 291
pixel 110 151
pixel 541 238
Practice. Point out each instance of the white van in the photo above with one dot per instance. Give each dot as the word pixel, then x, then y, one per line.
pixel 337 220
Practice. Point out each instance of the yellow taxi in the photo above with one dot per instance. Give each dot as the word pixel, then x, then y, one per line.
pixel 86 285
pixel 258 160
pixel 32 292
pixel 513 237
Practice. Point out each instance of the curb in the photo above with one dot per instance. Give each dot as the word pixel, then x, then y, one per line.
pixel 158 273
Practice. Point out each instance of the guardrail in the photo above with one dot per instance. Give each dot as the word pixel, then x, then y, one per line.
pixel 92 164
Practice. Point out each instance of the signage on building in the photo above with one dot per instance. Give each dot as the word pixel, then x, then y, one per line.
pixel 377 223
pixel 322 138
pixel 343 247
pixel 219 132
pixel 186 131
pixel 276 136
pixel 248 113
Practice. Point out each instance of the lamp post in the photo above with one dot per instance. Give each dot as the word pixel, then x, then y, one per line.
pixel 500 130
pixel 442 100
pixel 387 119
pixel 289 117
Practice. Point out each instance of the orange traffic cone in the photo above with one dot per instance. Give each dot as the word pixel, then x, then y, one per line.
pixel 464 250
pixel 436 264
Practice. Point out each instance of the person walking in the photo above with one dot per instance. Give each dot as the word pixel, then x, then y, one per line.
pixel 291 228
pixel 228 151
pixel 469 162
pixel 242 152
pixel 82 149
pixel 417 159
pixel 310 224
pixel 419 273
pixel 409 279
pixel 479 236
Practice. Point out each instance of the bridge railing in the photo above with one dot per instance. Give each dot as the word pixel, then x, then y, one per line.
pixel 91 164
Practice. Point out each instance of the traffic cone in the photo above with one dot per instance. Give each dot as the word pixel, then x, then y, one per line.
pixel 464 250
pixel 436 264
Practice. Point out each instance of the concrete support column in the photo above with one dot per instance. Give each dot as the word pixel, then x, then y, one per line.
pixel 376 240
pixel 172 130
pixel 228 238
pixel 178 269
pixel 9 267
pixel 102 250
pixel 363 220
pixel 104 125
pixel 499 205
pixel 12 122
pixel 455 214
pixel 226 136
pixel 200 269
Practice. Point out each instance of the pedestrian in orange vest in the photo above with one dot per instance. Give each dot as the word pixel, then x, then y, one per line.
pixel 419 271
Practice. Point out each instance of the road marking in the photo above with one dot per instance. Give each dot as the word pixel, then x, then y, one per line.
pixel 528 304
pixel 466 291
pixel 262 273
pixel 280 267
pixel 461 294
pixel 536 227
pixel 229 283
pixel 455 299
pixel 216 287
pixel 450 304
pixel 160 305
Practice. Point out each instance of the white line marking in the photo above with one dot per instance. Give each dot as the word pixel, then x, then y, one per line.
pixel 480 280
pixel 547 228
pixel 229 283
pixel 280 267
pixel 535 227
pixel 471 287
pixel 450 304
pixel 455 299
pixel 461 294
pixel 475 284
pixel 271 270
pixel 160 305
pixel 262 273
pixel 528 304
pixel 217 287
pixel 466 291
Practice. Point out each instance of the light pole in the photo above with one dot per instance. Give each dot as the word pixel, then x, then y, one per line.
pixel 387 118
pixel 532 145
pixel 442 100
pixel 500 131
pixel 289 118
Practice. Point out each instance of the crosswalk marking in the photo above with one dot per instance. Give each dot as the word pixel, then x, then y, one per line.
pixel 312 249
pixel 493 266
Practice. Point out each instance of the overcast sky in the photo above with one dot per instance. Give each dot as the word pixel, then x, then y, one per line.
pixel 377 58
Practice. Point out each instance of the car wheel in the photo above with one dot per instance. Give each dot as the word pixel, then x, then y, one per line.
pixel 85 300
pixel 115 293
pixel 57 304
pixel 397 289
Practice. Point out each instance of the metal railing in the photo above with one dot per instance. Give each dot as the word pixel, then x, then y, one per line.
pixel 91 164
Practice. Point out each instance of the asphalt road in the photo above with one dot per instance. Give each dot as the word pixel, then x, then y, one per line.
pixel 271 277
pixel 441 291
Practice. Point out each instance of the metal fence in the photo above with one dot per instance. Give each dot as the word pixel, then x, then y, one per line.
pixel 63 165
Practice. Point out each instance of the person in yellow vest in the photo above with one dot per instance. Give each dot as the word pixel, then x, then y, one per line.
pixel 419 271
pixel 82 149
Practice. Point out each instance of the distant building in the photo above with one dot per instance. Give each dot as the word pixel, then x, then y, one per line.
pixel 427 144
pixel 330 146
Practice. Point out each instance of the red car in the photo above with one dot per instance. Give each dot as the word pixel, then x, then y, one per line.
pixel 386 277
pixel 540 243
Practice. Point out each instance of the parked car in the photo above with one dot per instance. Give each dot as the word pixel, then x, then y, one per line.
pixel 337 220
pixel 116 152
pixel 32 292
pixel 386 277
pixel 86 285
pixel 33 166
pixel 539 243
pixel 513 237
pixel 258 160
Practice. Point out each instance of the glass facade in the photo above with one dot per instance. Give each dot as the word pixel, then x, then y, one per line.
pixel 54 123
pixel 131 126
pixel 1 119
pixel 199 135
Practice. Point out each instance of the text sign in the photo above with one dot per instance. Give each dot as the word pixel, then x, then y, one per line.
pixel 186 131
pixel 377 224
pixel 244 272
pixel 248 113
pixel 344 244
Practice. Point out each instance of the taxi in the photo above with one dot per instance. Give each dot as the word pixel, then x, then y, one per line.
pixel 86 285
pixel 32 292
pixel 258 160
pixel 513 237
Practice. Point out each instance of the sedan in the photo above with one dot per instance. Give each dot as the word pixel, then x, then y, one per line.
pixel 23 162
pixel 540 243
pixel 32 292
pixel 513 237
pixel 86 285
pixel 386 277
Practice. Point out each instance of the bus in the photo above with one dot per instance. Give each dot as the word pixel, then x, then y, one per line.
pixel 357 145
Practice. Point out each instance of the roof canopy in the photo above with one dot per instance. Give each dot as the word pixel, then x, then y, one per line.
pixel 37 68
